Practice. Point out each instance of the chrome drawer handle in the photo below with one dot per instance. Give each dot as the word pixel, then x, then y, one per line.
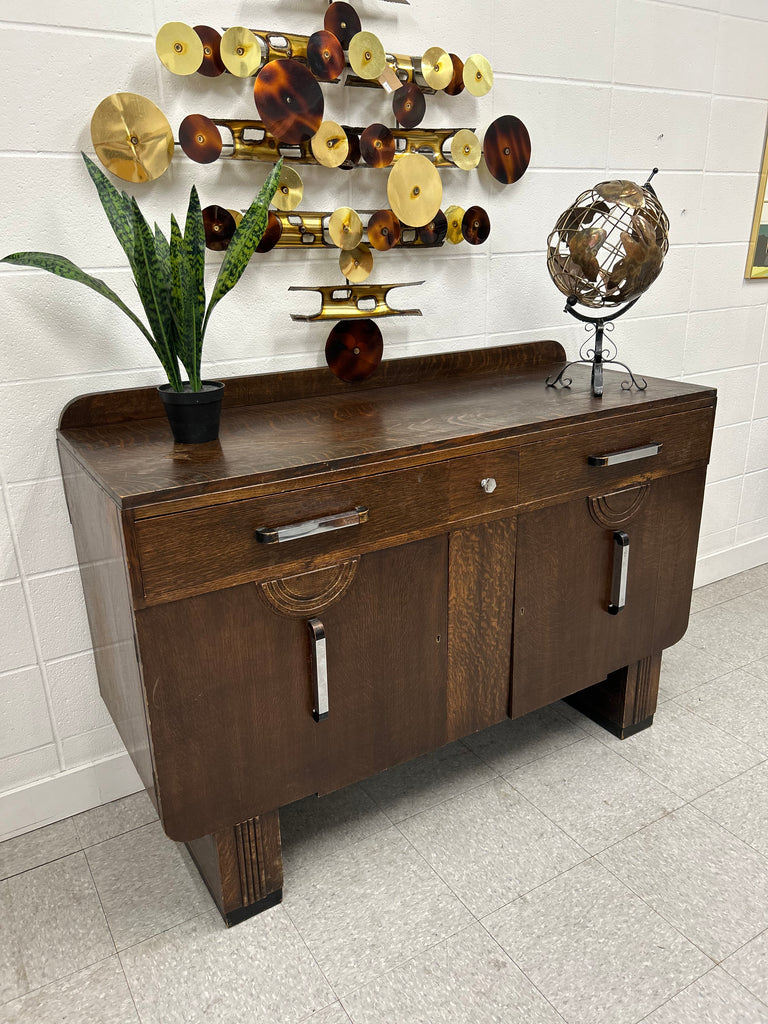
pixel 338 521
pixel 319 670
pixel 628 455
pixel 620 572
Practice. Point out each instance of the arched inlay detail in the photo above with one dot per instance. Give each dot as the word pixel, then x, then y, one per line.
pixel 618 507
pixel 309 593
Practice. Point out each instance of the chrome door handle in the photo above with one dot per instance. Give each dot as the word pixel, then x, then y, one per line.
pixel 311 527
pixel 620 572
pixel 628 455
pixel 319 669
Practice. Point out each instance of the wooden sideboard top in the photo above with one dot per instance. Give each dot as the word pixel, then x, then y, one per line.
pixel 280 429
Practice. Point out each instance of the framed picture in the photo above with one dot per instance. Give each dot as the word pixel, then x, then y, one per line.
pixel 757 257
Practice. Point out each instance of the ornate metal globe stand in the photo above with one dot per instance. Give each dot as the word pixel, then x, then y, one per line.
pixel 595 350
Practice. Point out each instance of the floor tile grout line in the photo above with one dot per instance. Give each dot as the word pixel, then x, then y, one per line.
pixel 762 753
pixel 294 925
pixel 679 992
pixel 57 981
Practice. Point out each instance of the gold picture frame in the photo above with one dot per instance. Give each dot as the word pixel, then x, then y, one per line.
pixel 757 256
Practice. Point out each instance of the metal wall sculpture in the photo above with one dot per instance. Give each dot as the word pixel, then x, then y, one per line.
pixel 134 140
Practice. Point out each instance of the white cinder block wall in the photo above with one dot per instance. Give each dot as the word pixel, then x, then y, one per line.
pixel 608 88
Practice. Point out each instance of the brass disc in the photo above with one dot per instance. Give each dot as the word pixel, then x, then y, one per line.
pixel 456 84
pixel 356 264
pixel 476 225
pixel 325 56
pixel 289 100
pixel 212 65
pixel 436 68
pixel 330 144
pixel 219 227
pixel 409 105
pixel 507 149
pixel 415 190
pixel 343 21
pixel 466 149
pixel 237 215
pixel 290 189
pixel 455 217
pixel 478 75
pixel 377 145
pixel 200 138
pixel 353 349
pixel 434 233
pixel 383 230
pixel 345 228
pixel 179 47
pixel 366 55
pixel 272 233
pixel 241 52
pixel 132 137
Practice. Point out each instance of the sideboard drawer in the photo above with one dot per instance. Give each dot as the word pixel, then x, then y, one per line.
pixel 480 484
pixel 606 459
pixel 209 548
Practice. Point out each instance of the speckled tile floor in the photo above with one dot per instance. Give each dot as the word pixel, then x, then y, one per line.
pixel 539 872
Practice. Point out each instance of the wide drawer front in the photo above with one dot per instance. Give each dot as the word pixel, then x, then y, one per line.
pixel 222 545
pixel 612 457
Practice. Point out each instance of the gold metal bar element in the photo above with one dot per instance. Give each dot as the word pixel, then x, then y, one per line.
pixel 343 302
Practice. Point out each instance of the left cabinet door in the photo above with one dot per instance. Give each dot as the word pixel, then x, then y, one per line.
pixel 229 684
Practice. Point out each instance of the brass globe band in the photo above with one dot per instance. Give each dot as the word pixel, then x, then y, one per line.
pixel 132 137
pixel 179 48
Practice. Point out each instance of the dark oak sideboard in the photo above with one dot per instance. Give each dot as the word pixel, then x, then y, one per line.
pixel 355 575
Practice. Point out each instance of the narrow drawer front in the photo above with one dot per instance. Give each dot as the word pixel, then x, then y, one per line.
pixel 606 459
pixel 190 552
pixel 485 483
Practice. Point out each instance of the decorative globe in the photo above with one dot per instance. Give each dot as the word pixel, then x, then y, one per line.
pixel 609 246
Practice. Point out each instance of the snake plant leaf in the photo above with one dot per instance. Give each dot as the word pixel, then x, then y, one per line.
pixel 163 250
pixel 244 241
pixel 155 298
pixel 194 241
pixel 117 206
pixel 65 268
pixel 183 306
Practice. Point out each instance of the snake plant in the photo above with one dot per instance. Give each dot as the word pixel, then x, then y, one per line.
pixel 168 272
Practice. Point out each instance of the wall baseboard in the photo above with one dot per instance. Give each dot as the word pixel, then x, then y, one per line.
pixel 78 789
pixel 721 564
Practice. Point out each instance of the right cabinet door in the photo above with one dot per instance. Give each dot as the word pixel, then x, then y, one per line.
pixel 577 616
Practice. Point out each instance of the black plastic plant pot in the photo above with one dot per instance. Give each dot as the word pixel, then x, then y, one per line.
pixel 193 415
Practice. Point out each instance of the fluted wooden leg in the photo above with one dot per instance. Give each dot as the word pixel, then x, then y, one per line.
pixel 242 866
pixel 625 702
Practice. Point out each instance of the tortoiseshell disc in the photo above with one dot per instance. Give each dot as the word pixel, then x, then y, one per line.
pixel 456 84
pixel 200 138
pixel 325 56
pixel 272 233
pixel 354 349
pixel 475 225
pixel 289 100
pixel 342 20
pixel 353 157
pixel 212 65
pixel 377 145
pixel 507 149
pixel 435 231
pixel 409 105
pixel 383 230
pixel 219 227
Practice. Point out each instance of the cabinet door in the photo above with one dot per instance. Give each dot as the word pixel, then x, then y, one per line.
pixel 229 683
pixel 565 636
